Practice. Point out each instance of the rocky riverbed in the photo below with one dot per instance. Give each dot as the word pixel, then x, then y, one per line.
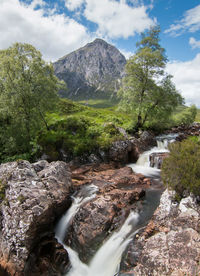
pixel 34 196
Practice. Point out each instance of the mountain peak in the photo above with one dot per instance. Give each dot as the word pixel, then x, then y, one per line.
pixel 93 69
pixel 99 41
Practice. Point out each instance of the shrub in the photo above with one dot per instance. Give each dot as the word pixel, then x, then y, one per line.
pixel 181 170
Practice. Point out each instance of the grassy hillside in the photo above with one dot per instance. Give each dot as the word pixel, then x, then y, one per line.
pixel 100 103
pixel 78 129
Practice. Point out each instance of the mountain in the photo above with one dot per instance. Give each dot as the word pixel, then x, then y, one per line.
pixel 92 71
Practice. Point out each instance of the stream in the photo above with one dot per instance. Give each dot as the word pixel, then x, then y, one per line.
pixel 106 261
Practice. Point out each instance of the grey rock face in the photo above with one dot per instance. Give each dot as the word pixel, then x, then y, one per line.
pixel 35 195
pixel 92 70
pixel 171 242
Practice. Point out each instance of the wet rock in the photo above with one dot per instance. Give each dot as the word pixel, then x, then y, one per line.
pixel 35 195
pixel 119 151
pixel 156 159
pixel 128 151
pixel 119 191
pixel 186 130
pixel 171 241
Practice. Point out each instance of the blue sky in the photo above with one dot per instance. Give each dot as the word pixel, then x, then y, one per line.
pixel 57 27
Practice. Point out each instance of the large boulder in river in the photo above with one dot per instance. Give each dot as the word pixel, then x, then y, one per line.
pixel 32 196
pixel 119 190
pixel 128 150
pixel 156 159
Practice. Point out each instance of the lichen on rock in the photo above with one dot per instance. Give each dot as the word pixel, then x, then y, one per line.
pixel 35 195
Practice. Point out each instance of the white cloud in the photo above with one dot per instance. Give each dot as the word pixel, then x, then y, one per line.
pixel 116 18
pixel 126 53
pixel 57 34
pixel 187 79
pixel 189 22
pixel 53 34
pixel 194 43
pixel 73 4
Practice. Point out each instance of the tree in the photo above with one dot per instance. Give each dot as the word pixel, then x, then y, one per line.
pixel 147 90
pixel 28 89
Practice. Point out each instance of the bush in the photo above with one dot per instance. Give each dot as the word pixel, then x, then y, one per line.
pixel 181 170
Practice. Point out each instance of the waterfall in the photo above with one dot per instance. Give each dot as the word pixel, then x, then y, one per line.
pixel 85 195
pixel 143 163
pixel 107 259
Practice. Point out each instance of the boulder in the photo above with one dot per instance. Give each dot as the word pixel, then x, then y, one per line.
pixel 32 197
pixel 156 159
pixel 170 244
pixel 128 151
pixel 119 190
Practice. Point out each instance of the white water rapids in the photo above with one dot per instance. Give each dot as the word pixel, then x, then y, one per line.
pixel 143 163
pixel 87 194
pixel 106 261
pixel 107 258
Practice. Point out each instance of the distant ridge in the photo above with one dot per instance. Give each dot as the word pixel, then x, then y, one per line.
pixel 92 71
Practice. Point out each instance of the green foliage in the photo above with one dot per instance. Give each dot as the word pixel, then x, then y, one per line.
pixel 101 103
pixel 197 119
pixel 81 132
pixel 181 116
pixel 147 92
pixel 186 116
pixel 181 170
pixel 28 89
pixel 68 107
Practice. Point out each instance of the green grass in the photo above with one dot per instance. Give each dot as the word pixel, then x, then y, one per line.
pixel 100 103
pixel 79 129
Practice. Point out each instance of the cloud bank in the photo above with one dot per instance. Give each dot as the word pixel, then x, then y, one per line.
pixel 186 78
pixel 56 34
pixel 117 19
pixel 53 34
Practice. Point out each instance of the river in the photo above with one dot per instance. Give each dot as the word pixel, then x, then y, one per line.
pixel 106 261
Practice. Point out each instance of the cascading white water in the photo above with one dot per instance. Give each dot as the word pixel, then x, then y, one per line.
pixel 86 194
pixel 107 259
pixel 143 163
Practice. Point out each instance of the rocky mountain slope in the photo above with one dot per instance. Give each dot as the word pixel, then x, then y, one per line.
pixel 92 71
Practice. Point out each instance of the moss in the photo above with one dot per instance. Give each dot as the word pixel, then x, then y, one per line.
pixel 21 199
pixel 3 186
pixel 6 202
